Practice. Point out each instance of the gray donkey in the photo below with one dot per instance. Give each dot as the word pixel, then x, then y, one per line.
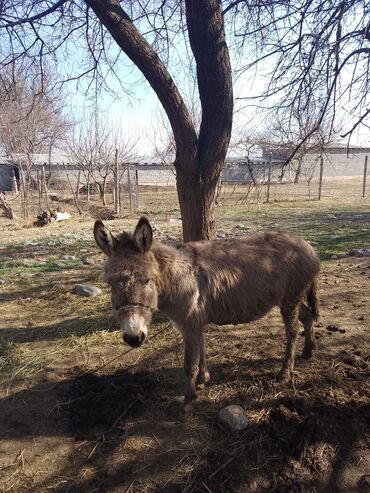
pixel 228 281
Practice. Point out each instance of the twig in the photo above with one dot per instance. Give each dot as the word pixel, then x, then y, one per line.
pixel 221 467
pixel 206 487
pixel 122 415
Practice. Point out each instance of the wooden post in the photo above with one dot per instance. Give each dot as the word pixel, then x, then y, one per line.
pixel 15 184
pixel 116 184
pixel 129 187
pixel 364 180
pixel 43 179
pixel 137 188
pixel 269 178
pixel 88 186
pixel 320 178
pixel 39 188
pixel 78 184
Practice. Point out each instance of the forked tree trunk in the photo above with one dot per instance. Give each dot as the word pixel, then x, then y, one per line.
pixel 199 156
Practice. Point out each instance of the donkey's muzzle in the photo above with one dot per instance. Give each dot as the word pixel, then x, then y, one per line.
pixel 134 341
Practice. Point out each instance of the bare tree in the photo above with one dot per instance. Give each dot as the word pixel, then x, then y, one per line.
pixel 96 145
pixel 309 54
pixel 31 120
pixel 299 134
pixel 199 155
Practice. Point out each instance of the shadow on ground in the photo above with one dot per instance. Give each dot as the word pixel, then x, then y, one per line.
pixel 128 436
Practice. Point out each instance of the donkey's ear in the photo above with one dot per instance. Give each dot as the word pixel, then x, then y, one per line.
pixel 104 238
pixel 143 234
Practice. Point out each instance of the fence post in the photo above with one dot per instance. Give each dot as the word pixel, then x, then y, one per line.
pixel 137 188
pixel 320 178
pixel 44 186
pixel 269 179
pixel 129 187
pixel 78 184
pixel 15 184
pixel 364 180
pixel 116 184
pixel 39 188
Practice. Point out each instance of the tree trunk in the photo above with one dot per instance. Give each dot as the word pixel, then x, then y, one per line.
pixel 298 171
pixel 103 190
pixel 197 206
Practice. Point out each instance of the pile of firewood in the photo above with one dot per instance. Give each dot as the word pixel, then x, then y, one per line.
pixel 48 216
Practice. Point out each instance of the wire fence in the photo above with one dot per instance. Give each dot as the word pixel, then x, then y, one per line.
pixel 331 187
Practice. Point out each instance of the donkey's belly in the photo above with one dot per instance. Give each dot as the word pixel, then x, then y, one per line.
pixel 240 316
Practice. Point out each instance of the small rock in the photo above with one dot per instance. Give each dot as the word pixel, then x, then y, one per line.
pixel 88 261
pixel 335 328
pixel 334 257
pixel 67 257
pixel 2 281
pixel 62 265
pixel 360 252
pixel 175 221
pixel 363 485
pixel 234 417
pixel 87 290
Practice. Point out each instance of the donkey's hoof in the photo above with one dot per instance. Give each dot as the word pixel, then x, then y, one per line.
pixel 202 379
pixel 186 412
pixel 284 376
pixel 306 354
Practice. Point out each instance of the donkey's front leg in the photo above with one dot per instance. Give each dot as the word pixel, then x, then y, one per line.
pixel 203 375
pixel 192 342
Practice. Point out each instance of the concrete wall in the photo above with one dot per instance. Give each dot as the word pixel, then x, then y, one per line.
pixel 335 165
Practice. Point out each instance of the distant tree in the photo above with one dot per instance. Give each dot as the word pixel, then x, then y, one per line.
pixel 31 120
pixel 95 145
pixel 298 135
pixel 311 54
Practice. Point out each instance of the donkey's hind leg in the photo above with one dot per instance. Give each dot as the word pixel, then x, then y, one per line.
pixel 306 318
pixel 289 313
pixel 192 345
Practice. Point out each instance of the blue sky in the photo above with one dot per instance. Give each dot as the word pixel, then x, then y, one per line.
pixel 139 112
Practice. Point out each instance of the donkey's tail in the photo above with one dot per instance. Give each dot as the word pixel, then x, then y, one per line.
pixel 313 300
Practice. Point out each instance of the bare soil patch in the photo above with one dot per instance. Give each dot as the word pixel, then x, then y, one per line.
pixel 87 424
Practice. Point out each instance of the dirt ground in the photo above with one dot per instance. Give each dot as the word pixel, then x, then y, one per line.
pixel 81 412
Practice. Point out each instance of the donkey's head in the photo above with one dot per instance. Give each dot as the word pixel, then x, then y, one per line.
pixel 131 271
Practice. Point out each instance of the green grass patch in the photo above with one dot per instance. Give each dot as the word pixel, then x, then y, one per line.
pixel 14 270
pixel 336 228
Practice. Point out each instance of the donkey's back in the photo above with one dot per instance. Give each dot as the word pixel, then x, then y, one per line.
pixel 241 279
